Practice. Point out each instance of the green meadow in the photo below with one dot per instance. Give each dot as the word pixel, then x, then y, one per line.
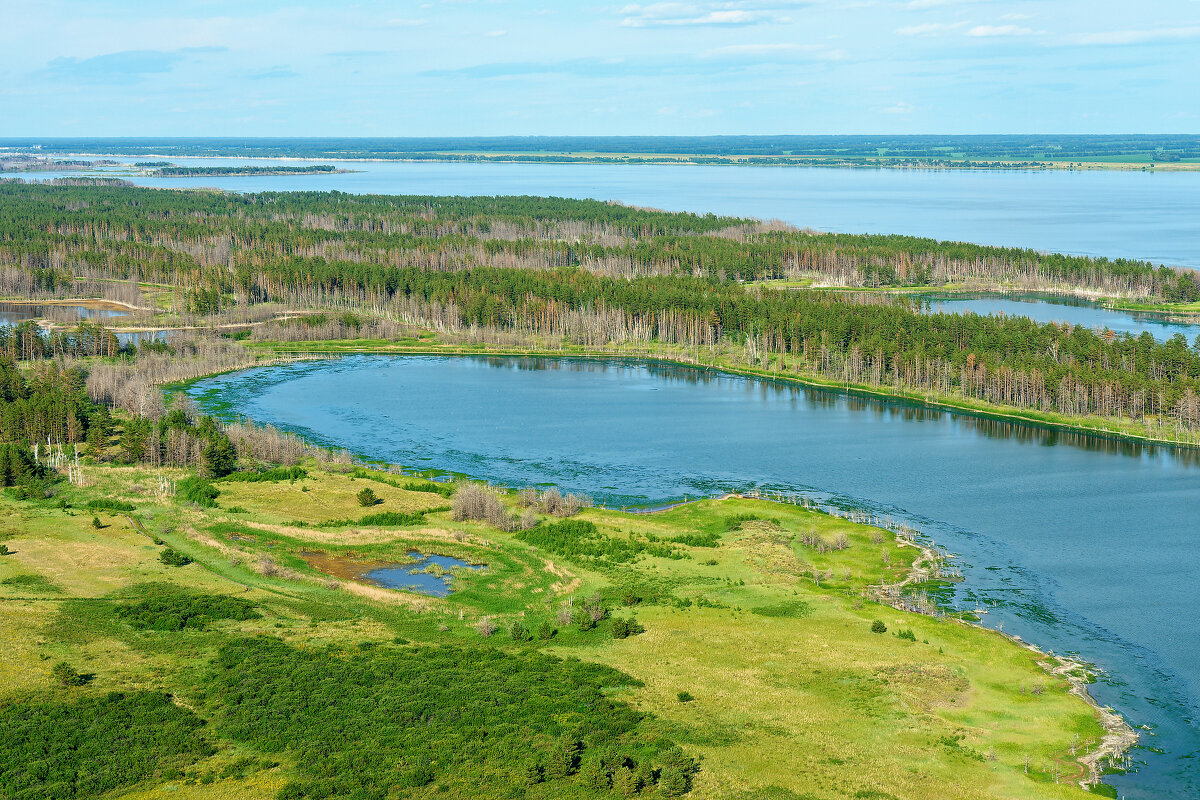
pixel 728 648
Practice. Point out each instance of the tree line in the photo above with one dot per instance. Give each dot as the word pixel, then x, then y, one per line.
pixel 211 245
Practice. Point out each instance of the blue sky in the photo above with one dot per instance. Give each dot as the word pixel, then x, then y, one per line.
pixel 497 67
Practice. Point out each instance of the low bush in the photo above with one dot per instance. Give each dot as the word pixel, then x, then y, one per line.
pixel 444 489
pixel 198 491
pixel 624 628
pixel 96 746
pixel 384 519
pixel 268 475
pixel 65 675
pixel 173 558
pixel 367 498
pixel 788 608
pixel 109 505
pixel 580 539
pixel 165 608
pixel 878 627
pixel 367 722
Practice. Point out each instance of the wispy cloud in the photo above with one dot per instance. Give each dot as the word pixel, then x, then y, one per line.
pixel 405 22
pixel 1001 30
pixel 897 108
pixel 495 34
pixel 662 15
pixel 123 66
pixel 930 28
pixel 273 72
pixel 918 5
pixel 1138 36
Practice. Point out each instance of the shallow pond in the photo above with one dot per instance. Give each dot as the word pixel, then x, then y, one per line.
pixel 1082 545
pixel 13 313
pixel 417 577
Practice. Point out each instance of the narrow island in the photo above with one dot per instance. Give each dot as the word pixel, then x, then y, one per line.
pixel 173 171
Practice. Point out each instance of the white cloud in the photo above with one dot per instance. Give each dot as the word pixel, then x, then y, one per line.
pixel 1001 30
pixel 494 34
pixel 929 28
pixel 1137 37
pixel 897 108
pixel 677 14
pixel 405 23
pixel 917 5
pixel 754 49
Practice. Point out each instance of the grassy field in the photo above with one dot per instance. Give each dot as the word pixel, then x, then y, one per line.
pixel 757 611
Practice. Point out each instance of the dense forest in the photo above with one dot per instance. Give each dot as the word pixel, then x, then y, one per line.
pixel 172 171
pixel 583 272
pixel 214 245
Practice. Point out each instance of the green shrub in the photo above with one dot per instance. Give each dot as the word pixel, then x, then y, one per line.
pixel 878 627
pixel 166 608
pixel 269 475
pixel 906 634
pixel 96 523
pixel 788 608
pixel 624 628
pixel 735 522
pixel 30 582
pixel 353 722
pixel 444 489
pixel 93 747
pixel 109 505
pixel 583 540
pixel 384 519
pixel 173 558
pixel 66 675
pixel 367 498
pixel 198 491
pixel 698 539
pixel 685 697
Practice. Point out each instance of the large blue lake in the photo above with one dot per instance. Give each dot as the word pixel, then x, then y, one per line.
pixel 1144 215
pixel 1081 545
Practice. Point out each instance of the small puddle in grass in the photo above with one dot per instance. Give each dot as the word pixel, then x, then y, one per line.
pixel 428 574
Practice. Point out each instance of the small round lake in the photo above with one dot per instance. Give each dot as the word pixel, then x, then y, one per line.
pixel 1081 545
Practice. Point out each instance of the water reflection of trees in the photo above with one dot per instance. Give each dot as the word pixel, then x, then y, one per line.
pixel 829 399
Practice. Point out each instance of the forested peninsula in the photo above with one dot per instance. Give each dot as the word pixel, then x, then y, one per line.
pixel 292 270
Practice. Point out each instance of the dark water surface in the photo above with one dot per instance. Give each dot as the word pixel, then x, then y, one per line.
pixel 1130 214
pixel 1082 545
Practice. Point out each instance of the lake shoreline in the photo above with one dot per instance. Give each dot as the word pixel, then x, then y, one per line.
pixel 695 160
pixel 950 404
